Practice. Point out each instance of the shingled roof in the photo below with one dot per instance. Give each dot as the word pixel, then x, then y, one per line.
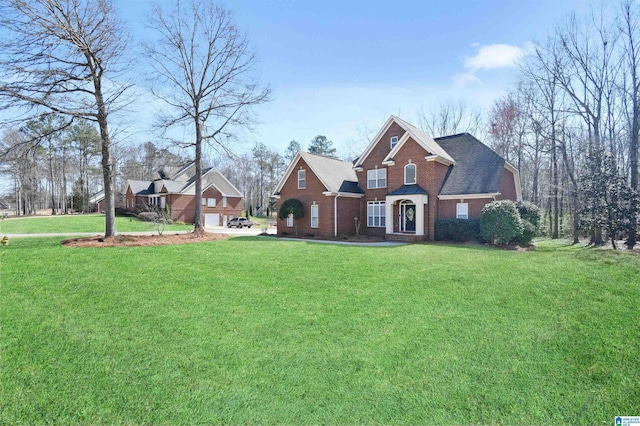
pixel 478 168
pixel 337 176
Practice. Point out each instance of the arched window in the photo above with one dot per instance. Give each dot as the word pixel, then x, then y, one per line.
pixel 410 174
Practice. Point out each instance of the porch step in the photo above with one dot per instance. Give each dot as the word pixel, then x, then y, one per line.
pixel 404 238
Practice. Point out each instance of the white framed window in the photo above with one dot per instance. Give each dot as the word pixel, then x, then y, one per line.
pixel 315 218
pixel 302 179
pixel 290 220
pixel 376 178
pixel 410 174
pixel 211 202
pixel 163 202
pixel 393 141
pixel 224 201
pixel 462 211
pixel 204 201
pixel 376 214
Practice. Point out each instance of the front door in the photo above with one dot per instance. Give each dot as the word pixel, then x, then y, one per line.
pixel 408 218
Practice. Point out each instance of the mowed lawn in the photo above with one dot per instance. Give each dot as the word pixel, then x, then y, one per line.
pixel 78 224
pixel 256 330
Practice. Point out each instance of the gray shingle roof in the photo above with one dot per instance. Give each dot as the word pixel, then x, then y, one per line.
pixel 478 169
pixel 409 190
pixel 141 187
pixel 336 175
pixel 221 183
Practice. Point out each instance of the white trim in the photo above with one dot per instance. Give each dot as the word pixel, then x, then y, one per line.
pixel 304 179
pixel 289 220
pixel 377 178
pixel 439 159
pixel 516 179
pixel 342 194
pixel 466 209
pixel 376 139
pixel 212 202
pixel 463 197
pixel 415 174
pixel 317 208
pixel 381 214
pixel 420 201
pixel 391 142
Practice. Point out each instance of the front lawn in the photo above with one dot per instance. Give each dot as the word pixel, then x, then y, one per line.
pixel 256 330
pixel 78 223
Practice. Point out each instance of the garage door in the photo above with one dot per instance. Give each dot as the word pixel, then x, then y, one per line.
pixel 212 219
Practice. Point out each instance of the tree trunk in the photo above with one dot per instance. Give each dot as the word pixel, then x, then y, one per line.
pixel 107 167
pixel 197 215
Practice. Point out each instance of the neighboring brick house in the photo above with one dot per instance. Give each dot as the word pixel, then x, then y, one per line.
pixel 174 189
pixel 399 186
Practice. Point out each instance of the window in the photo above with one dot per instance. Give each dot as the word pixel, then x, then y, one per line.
pixel 163 202
pixel 204 201
pixel 462 211
pixel 376 178
pixel 376 214
pixel 409 174
pixel 393 141
pixel 290 220
pixel 224 201
pixel 315 211
pixel 302 179
pixel 211 202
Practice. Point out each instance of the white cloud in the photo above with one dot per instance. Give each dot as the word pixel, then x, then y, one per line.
pixel 494 56
pixel 489 57
pixel 463 79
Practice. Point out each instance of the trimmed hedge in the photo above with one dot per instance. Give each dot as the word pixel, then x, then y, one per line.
pixel 460 230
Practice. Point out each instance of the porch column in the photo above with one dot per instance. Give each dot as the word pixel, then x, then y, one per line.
pixel 419 216
pixel 388 211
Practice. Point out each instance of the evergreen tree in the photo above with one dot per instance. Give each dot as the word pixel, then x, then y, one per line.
pixel 320 145
pixel 292 150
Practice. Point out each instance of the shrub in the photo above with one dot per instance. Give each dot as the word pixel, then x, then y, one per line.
pixel 529 212
pixel 500 222
pixel 530 216
pixel 460 230
pixel 527 234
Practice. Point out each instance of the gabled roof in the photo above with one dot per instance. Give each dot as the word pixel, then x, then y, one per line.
pixel 141 187
pixel 424 140
pixel 178 173
pixel 212 177
pixel 336 175
pixel 478 168
pixel 409 190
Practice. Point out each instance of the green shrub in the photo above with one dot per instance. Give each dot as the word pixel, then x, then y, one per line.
pixel 500 222
pixel 527 234
pixel 529 212
pixel 460 230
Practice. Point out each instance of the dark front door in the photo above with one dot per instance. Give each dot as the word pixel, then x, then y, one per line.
pixel 408 218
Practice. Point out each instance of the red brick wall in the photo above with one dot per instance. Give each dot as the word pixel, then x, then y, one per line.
pixel 507 186
pixel 447 208
pixel 308 196
pixel 348 209
pixel 429 176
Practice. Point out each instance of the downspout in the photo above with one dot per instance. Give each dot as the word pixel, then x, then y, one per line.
pixel 335 215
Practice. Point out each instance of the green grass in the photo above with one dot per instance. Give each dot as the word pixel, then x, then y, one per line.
pixel 77 223
pixel 308 333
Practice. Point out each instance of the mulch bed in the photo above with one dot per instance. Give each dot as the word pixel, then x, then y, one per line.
pixel 143 240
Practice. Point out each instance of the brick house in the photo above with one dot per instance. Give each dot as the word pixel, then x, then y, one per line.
pixel 174 189
pixel 400 185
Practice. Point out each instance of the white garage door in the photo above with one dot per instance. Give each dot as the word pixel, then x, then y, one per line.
pixel 212 219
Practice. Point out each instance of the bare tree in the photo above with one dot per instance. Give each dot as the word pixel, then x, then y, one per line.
pixel 61 57
pixel 448 118
pixel 205 75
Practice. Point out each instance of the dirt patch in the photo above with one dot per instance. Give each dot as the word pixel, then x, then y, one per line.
pixel 143 240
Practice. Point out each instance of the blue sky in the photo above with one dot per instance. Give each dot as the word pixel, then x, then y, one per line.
pixel 340 68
